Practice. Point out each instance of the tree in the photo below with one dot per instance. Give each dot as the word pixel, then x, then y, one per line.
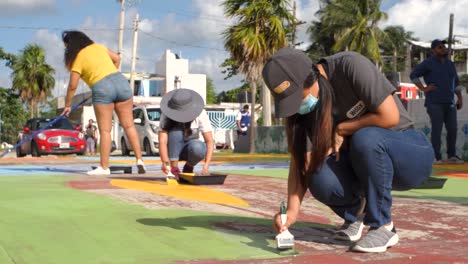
pixel 396 47
pixel 237 95
pixel 7 56
pixel 12 115
pixel 257 33
pixel 210 92
pixel 49 108
pixel 350 25
pixel 33 77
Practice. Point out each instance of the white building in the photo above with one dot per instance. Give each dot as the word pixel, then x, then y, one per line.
pixel 175 71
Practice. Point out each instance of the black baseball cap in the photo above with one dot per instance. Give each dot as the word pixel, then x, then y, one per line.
pixel 436 42
pixel 285 73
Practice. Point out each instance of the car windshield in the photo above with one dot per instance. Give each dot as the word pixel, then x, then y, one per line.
pixel 154 114
pixel 61 124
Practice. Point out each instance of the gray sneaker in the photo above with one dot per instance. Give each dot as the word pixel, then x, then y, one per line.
pixel 350 231
pixel 353 231
pixel 377 240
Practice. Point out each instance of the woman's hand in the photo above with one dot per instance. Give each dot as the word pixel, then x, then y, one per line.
pixel 278 226
pixel 165 169
pixel 339 139
pixel 66 111
pixel 205 169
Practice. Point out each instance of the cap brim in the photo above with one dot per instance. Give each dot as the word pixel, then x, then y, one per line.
pixel 196 107
pixel 288 106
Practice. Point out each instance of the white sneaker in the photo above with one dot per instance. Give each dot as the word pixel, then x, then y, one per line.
pixel 99 171
pixel 141 167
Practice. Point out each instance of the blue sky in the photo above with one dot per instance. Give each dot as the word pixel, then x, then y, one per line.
pixel 192 28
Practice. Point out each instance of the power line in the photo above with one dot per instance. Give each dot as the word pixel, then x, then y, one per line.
pixel 180 44
pixel 60 28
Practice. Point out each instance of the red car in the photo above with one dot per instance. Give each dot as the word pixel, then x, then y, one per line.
pixel 60 138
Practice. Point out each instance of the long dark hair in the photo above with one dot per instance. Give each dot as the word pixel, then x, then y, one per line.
pixel 174 125
pixel 317 126
pixel 74 42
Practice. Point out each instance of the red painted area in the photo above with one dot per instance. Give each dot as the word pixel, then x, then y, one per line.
pixel 91 184
pixel 454 174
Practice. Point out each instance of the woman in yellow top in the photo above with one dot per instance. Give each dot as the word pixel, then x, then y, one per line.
pixel 97 66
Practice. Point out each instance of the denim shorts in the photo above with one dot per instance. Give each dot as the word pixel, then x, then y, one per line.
pixel 112 89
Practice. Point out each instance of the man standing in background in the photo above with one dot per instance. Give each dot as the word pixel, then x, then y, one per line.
pixel 243 121
pixel 440 76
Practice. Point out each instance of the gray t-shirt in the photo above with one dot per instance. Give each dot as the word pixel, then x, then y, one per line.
pixel 359 88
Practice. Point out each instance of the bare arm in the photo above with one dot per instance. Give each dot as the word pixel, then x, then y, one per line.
pixel 296 193
pixel 163 153
pixel 386 116
pixel 208 136
pixel 114 57
pixel 72 85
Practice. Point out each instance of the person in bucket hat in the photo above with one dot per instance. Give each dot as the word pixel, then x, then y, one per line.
pixel 182 120
pixel 351 142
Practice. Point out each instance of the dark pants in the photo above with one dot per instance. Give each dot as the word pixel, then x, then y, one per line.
pixel 192 151
pixel 441 114
pixel 377 162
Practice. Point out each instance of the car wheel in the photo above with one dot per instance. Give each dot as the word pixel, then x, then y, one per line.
pixel 124 148
pixel 147 147
pixel 81 153
pixel 35 150
pixel 19 154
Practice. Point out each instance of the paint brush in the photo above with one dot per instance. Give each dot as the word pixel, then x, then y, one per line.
pixel 284 240
pixel 171 178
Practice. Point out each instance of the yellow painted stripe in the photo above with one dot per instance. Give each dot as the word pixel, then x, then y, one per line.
pixel 183 191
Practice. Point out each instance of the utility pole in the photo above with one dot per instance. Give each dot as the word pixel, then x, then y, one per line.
pixel 134 50
pixel 450 39
pixel 121 30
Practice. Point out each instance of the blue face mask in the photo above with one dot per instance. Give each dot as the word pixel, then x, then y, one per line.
pixel 308 105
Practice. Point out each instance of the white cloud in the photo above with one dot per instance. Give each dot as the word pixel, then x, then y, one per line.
pixel 26 7
pixel 306 10
pixel 429 19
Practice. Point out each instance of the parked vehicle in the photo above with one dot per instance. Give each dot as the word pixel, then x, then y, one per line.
pixel 60 138
pixel 146 119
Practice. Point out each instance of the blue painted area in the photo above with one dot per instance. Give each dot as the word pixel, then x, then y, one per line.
pixel 28 170
pixel 73 169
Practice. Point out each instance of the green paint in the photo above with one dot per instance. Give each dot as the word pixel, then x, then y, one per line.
pixel 454 191
pixel 44 221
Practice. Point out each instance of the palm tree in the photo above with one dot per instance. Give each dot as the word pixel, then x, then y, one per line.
pixel 349 25
pixel 32 76
pixel 6 56
pixel 258 32
pixel 362 34
pixel 396 48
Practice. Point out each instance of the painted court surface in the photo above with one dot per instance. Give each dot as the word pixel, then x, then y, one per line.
pixel 51 212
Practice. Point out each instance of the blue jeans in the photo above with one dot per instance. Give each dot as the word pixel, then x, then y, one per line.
pixel 441 114
pixel 377 161
pixel 192 151
pixel 112 88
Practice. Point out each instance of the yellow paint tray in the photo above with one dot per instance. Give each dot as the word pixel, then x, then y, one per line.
pixel 196 179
